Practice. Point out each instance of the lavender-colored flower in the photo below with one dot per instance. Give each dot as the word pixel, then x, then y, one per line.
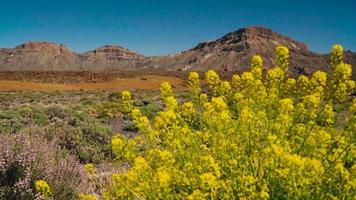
pixel 30 158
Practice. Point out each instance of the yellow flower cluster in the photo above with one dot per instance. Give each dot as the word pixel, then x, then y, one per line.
pixel 87 197
pixel 213 81
pixel 251 138
pixel 342 85
pixel 193 80
pixel 256 66
pixel 126 102
pixel 166 90
pixel 188 110
pixel 282 56
pixel 337 55
pixel 90 169
pixel 42 188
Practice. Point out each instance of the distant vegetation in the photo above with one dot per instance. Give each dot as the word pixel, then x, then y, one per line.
pixel 258 136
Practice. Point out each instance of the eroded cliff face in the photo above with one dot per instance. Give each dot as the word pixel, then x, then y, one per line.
pixel 232 52
pixel 111 57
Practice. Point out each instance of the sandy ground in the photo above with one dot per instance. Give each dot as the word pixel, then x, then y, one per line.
pixel 145 82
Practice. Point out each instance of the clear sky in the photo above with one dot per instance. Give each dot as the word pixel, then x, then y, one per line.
pixel 153 27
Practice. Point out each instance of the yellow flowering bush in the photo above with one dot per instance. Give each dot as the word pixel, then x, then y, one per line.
pixel 254 138
pixel 126 102
pixel 282 56
pixel 42 188
pixel 87 197
pixel 256 66
pixel 193 80
pixel 90 169
pixel 341 83
pixel 213 81
pixel 337 55
pixel 166 90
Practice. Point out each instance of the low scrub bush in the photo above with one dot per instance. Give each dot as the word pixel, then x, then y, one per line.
pixel 24 160
pixel 83 136
pixel 151 109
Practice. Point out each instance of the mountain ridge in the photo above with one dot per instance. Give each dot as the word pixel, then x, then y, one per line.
pixel 231 52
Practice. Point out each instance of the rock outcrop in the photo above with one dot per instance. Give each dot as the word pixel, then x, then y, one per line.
pixel 111 57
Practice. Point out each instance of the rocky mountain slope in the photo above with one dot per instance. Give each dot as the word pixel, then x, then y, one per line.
pixel 46 56
pixel 232 52
pixel 39 56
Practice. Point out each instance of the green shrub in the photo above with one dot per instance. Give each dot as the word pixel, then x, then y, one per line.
pixel 83 136
pixel 56 111
pixel 130 126
pixel 10 114
pixel 40 118
pixel 151 109
pixel 109 109
pixel 10 126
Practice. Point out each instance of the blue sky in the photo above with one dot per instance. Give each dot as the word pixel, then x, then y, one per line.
pixel 153 27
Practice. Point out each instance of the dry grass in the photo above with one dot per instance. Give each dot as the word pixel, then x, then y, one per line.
pixel 146 82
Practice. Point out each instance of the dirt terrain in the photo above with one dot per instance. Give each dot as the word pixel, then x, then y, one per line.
pixel 144 82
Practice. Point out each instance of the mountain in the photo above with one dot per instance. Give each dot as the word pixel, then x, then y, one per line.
pixel 39 56
pixel 111 57
pixel 46 56
pixel 232 52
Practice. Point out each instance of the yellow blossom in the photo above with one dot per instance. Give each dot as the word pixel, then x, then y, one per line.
pixel 312 101
pixel 352 108
pixel 225 87
pixel 170 102
pixel 125 95
pixel 188 109
pixel 327 114
pixel 286 105
pixel 193 80
pixel 256 66
pixel 252 138
pixel 90 169
pixel 117 145
pixel 163 177
pixel 218 104
pixel 43 188
pixel 275 77
pixel 126 102
pixel 203 98
pixel 236 81
pixel 87 197
pixel 208 180
pixel 135 113
pixel 282 56
pixel 166 90
pixel 213 80
pixel 337 55
pixel 320 78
